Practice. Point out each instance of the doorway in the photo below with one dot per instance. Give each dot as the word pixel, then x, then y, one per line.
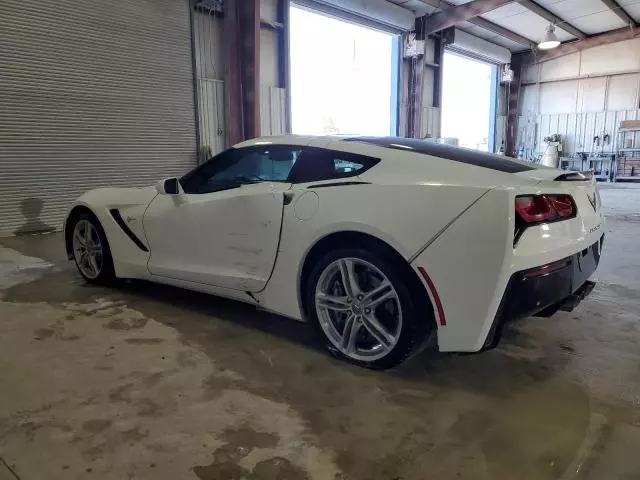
pixel 466 101
pixel 341 76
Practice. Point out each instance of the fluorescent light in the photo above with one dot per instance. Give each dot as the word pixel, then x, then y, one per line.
pixel 550 40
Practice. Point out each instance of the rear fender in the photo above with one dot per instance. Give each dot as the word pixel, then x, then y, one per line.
pixel 468 269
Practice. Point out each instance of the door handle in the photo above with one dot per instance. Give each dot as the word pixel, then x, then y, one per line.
pixel 288 197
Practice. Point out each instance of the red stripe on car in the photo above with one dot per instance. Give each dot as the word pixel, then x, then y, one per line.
pixel 434 294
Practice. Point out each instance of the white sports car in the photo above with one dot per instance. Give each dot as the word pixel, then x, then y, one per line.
pixel 382 243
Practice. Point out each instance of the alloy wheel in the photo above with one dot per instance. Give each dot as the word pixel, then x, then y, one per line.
pixel 358 309
pixel 87 249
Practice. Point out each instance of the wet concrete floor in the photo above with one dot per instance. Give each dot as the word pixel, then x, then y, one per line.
pixel 151 382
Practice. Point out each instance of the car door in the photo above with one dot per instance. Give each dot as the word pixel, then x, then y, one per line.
pixel 224 229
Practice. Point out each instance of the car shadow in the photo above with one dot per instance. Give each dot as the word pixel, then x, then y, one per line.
pixel 228 329
pixel 227 310
pixel 521 359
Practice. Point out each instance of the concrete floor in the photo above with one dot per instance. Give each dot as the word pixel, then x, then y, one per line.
pixel 149 382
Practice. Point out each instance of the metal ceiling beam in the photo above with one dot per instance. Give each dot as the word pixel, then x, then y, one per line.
pixel 461 13
pixel 486 24
pixel 503 32
pixel 613 36
pixel 552 18
pixel 615 7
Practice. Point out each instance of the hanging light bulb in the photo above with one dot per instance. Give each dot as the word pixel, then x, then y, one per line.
pixel 550 40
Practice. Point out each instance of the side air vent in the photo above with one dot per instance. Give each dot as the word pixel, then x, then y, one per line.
pixel 115 213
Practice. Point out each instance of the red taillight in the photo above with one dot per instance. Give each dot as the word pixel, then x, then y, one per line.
pixel 563 205
pixel 534 208
pixel 544 208
pixel 552 267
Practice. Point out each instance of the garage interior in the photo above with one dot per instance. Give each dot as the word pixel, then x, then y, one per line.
pixel 147 381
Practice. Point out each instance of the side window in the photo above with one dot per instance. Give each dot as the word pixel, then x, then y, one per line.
pixel 236 167
pixel 345 166
pixel 317 164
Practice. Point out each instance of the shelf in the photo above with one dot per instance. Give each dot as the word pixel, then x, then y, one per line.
pixel 622 130
pixel 628 177
pixel 628 150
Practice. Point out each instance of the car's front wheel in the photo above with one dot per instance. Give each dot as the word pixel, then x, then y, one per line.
pixel 361 303
pixel 91 251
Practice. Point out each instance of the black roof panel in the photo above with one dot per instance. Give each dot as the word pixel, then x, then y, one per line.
pixel 457 154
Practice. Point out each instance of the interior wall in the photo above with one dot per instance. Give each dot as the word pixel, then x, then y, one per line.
pixel 580 96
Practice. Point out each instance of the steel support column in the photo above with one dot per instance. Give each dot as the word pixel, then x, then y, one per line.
pixel 513 103
pixel 414 102
pixel 248 12
pixel 194 69
pixel 396 86
pixel 284 65
pixel 493 108
pixel 438 59
pixel 234 123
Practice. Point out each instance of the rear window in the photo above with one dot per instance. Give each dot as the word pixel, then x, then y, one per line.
pixel 457 154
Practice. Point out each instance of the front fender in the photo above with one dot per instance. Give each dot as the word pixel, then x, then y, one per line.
pixel 129 259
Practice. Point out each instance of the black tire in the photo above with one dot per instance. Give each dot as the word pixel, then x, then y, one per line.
pixel 106 275
pixel 416 323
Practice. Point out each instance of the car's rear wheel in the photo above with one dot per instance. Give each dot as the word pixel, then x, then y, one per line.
pixel 91 251
pixel 360 301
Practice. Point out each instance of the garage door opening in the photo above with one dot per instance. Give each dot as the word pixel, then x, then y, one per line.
pixel 341 76
pixel 466 101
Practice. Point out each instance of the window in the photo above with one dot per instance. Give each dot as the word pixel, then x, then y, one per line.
pixel 317 164
pixel 236 167
pixel 345 166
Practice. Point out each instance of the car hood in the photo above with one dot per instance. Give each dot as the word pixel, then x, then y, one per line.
pixel 118 197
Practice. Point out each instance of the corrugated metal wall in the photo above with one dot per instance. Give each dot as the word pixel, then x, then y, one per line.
pixel 272 111
pixel 578 130
pixel 581 96
pixel 91 94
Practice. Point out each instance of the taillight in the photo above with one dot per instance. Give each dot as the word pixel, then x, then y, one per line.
pixel 534 208
pixel 544 208
pixel 563 205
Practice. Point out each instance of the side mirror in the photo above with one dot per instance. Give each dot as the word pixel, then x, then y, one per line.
pixel 169 186
pixel 172 186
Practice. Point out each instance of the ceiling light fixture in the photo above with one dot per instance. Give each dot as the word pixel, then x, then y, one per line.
pixel 550 40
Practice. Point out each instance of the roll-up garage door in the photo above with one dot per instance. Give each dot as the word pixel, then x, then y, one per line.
pixel 92 94
pixel 382 15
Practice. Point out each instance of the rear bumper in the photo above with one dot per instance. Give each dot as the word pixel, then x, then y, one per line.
pixel 546 289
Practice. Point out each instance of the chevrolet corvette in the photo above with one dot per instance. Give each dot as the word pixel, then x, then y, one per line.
pixel 384 244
